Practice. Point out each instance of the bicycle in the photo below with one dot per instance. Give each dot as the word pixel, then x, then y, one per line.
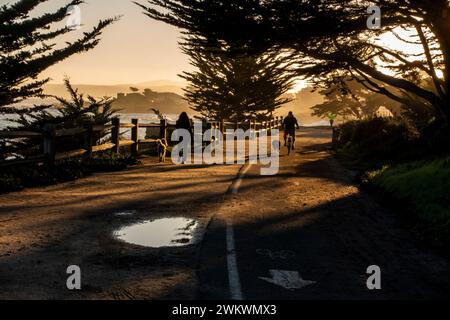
pixel 290 143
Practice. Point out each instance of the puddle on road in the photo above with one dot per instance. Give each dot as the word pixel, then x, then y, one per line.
pixel 166 232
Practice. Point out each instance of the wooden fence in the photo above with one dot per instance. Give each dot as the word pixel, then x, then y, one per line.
pixel 51 134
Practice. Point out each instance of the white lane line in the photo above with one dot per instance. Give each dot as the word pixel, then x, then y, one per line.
pixel 238 182
pixel 234 281
pixel 233 273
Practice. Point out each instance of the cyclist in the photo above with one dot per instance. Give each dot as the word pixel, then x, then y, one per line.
pixel 290 123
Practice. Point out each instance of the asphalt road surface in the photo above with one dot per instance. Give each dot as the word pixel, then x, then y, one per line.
pixel 309 233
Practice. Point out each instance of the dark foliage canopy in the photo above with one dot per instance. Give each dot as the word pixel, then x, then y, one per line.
pixel 230 87
pixel 27 47
pixel 333 41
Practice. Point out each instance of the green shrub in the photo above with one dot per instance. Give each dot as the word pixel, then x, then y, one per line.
pixel 423 186
pixel 372 143
pixel 16 178
pixel 109 162
pixel 436 137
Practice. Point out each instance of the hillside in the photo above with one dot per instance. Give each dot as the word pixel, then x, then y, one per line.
pixel 112 90
pixel 136 102
pixel 165 95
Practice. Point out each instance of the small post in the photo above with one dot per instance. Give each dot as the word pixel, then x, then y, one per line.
pixel 88 140
pixel 222 126
pixel 115 134
pixel 135 137
pixel 50 143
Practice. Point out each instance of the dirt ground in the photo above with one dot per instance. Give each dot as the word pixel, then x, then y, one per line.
pixel 311 209
pixel 44 230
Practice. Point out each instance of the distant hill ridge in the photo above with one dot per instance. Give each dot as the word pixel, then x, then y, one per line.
pixel 111 90
pixel 146 101
pixel 137 98
pixel 167 96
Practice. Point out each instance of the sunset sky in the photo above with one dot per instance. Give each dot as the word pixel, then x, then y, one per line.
pixel 133 50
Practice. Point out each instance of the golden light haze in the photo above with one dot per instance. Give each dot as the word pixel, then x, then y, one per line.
pixel 133 50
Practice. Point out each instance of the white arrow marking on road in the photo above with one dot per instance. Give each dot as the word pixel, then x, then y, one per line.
pixel 290 280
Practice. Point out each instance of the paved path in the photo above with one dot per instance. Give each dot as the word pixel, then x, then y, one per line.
pixel 310 219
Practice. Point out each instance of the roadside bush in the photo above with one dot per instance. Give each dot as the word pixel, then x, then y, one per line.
pixel 76 112
pixel 370 143
pixel 408 169
pixel 17 178
pixel 109 162
pixel 422 186
pixel 436 137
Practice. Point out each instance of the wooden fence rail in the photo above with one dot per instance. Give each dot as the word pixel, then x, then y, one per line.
pixel 50 137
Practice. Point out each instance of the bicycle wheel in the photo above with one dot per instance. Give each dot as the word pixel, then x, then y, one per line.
pixel 289 145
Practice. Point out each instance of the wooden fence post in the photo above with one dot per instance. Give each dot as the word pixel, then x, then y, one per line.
pixel 163 129
pixel 135 137
pixel 88 140
pixel 115 134
pixel 50 143
pixel 163 137
pixel 2 146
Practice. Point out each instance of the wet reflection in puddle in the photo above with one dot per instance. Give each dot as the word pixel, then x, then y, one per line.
pixel 167 232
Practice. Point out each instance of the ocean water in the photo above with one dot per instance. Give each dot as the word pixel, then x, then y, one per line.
pixel 8 120
pixel 5 123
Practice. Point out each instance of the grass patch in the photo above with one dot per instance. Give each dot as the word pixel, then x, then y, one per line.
pixel 424 186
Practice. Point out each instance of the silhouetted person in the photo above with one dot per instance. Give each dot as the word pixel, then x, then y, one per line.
pixel 184 122
pixel 290 123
